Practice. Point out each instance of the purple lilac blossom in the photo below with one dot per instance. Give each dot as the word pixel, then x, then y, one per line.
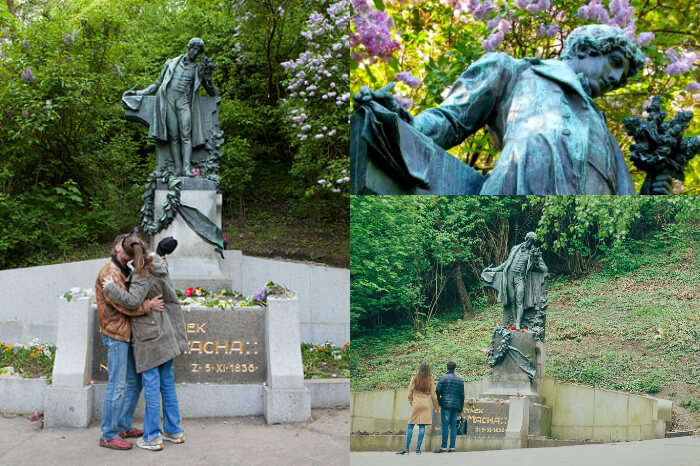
pixel 680 63
pixel 645 38
pixel 408 79
pixel 27 75
pixel 594 11
pixel 374 35
pixel 693 87
pixel 403 101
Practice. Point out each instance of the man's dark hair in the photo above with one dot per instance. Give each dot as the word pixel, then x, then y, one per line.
pixel 451 366
pixel 117 240
pixel 603 39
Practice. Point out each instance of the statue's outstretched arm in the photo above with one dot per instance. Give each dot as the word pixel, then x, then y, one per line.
pixel 470 102
pixel 153 87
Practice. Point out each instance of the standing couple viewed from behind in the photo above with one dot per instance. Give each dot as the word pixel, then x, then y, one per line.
pixel 448 400
pixel 141 346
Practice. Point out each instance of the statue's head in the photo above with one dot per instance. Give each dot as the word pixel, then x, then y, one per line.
pixel 195 47
pixel 530 238
pixel 604 55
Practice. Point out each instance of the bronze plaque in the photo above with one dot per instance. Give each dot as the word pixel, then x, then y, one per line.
pixel 224 347
pixel 486 419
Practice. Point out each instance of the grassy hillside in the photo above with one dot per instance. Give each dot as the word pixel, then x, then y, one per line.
pixel 634 325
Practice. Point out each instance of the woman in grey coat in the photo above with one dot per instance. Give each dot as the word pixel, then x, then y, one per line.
pixel 157 339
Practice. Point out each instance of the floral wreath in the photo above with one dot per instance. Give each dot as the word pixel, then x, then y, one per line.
pixel 500 343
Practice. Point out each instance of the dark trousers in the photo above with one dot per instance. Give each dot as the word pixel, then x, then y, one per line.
pixel 448 418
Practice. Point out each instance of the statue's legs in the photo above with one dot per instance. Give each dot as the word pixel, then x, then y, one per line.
pixel 174 137
pixel 184 116
pixel 519 285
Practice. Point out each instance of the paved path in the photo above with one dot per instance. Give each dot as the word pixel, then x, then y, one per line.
pixel 241 441
pixel 681 451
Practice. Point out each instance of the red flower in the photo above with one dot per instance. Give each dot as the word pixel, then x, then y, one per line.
pixel 189 291
pixel 512 327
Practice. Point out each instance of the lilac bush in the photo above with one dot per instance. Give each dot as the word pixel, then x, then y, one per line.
pixel 317 102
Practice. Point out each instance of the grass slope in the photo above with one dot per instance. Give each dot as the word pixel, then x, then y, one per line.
pixel 637 332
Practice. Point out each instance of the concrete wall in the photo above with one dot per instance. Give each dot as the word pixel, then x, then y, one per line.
pixel 324 292
pixel 28 308
pixel 585 413
pixel 579 413
pixel 388 411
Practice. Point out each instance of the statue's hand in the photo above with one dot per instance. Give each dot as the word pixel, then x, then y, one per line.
pixel 383 97
pixel 658 184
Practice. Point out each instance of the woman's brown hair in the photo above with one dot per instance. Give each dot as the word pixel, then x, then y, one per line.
pixel 134 248
pixel 422 381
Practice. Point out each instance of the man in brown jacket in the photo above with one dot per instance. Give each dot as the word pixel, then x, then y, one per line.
pixel 123 384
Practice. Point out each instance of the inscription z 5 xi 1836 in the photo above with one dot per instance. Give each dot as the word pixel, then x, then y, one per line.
pixel 223 347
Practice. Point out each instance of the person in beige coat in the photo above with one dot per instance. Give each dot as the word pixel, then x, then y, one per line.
pixel 421 393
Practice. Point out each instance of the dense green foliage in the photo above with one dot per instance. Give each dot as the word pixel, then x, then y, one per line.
pixel 424 46
pixel 413 258
pixel 72 169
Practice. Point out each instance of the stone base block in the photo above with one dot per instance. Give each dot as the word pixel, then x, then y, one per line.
pixel 19 395
pixel 68 406
pixel 540 423
pixel 518 422
pixel 287 405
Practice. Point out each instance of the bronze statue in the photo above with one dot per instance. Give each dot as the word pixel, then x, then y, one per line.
pixel 520 282
pixel 177 117
pixel 540 113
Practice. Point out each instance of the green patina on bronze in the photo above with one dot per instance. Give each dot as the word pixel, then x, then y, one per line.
pixel 522 288
pixel 540 113
pixel 188 139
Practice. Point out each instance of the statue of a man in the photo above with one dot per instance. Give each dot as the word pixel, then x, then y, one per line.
pixel 519 280
pixel 541 114
pixel 177 119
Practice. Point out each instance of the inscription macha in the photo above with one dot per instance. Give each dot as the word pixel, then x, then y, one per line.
pixel 223 347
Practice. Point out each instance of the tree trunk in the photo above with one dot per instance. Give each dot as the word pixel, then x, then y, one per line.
pixel 464 298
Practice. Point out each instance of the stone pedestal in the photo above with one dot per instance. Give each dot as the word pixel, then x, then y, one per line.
pixel 195 262
pixel 286 397
pixel 509 382
pixel 508 379
pixel 69 399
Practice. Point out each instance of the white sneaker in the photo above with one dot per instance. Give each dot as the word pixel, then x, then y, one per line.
pixel 175 438
pixel 154 445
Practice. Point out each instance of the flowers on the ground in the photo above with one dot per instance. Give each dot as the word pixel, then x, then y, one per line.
pixel 189 292
pixel 325 361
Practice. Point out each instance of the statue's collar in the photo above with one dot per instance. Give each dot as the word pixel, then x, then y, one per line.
pixel 561 72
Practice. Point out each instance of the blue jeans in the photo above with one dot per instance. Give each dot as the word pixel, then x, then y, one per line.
pixel 409 434
pixel 448 418
pixel 160 381
pixel 123 388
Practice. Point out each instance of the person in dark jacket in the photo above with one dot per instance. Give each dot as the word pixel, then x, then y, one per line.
pixel 157 340
pixel 450 395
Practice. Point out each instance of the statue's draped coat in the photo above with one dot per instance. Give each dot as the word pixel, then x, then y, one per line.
pixel 553 138
pixel 158 128
pixel 501 279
